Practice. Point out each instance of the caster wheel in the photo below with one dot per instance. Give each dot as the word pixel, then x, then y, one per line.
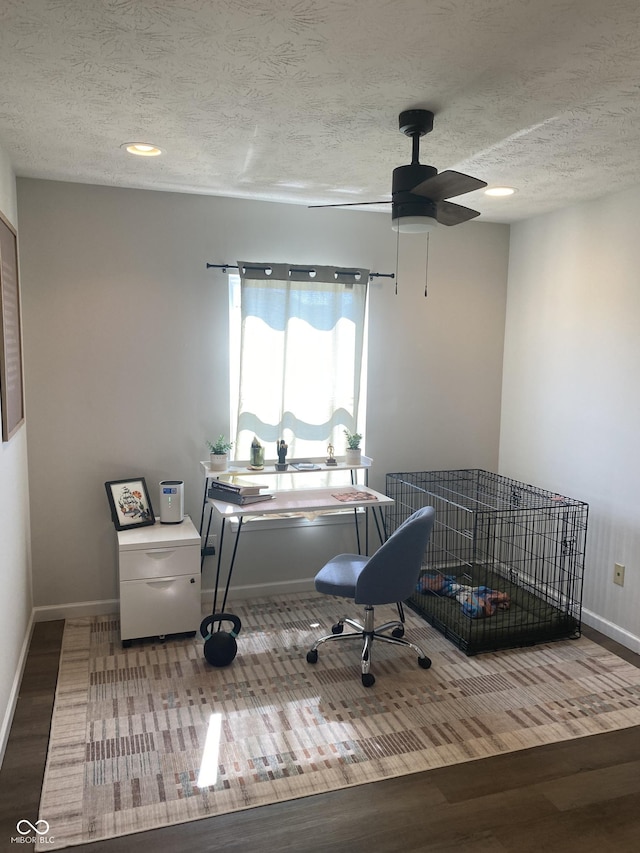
pixel 425 663
pixel 126 644
pixel 397 632
pixel 312 656
pixel 368 680
pixel 337 628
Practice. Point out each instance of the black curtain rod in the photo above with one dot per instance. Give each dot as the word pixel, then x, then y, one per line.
pixel 225 267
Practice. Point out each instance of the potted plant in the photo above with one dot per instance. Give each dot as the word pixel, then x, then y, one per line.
pixel 219 453
pixel 353 454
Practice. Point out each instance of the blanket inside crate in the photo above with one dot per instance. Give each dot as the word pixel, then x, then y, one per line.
pixel 477 602
pixel 529 617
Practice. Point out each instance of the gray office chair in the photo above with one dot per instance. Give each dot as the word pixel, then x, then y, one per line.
pixel 388 577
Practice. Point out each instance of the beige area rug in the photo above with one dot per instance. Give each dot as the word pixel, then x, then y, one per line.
pixel 130 726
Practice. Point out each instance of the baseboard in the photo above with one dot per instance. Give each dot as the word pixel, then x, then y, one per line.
pixel 100 608
pixel 614 632
pixel 80 608
pixel 5 729
pixel 238 593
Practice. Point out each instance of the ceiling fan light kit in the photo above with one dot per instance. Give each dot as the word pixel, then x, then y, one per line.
pixel 414 224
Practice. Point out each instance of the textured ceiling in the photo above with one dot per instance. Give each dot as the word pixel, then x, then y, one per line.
pixel 298 100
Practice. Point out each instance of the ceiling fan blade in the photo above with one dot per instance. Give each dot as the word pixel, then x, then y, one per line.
pixel 447 185
pixel 352 203
pixel 448 213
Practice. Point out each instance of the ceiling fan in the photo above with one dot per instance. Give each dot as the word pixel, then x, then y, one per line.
pixel 418 193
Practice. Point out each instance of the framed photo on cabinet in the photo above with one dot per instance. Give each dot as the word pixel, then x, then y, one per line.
pixel 130 503
pixel 11 378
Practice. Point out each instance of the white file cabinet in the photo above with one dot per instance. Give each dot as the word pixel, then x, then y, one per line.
pixel 159 569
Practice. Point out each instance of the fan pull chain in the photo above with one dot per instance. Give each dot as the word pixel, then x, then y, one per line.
pixel 397 256
pixel 426 269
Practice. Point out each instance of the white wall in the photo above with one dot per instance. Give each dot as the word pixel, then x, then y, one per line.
pixel 15 600
pixel 126 350
pixel 571 394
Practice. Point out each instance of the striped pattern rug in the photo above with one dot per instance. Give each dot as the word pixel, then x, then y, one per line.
pixel 130 726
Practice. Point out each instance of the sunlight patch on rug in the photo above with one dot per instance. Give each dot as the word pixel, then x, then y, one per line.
pixel 130 725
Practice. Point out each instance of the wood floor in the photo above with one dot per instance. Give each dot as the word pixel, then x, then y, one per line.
pixel 581 795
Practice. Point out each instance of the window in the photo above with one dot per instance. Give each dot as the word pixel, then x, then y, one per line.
pixel 297 358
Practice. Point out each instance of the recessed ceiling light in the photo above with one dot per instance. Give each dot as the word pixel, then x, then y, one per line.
pixel 499 191
pixel 142 149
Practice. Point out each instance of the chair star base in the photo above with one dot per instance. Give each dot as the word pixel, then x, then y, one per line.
pixel 367 633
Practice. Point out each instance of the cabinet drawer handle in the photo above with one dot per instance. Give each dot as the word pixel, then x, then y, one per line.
pixel 162 584
pixel 160 553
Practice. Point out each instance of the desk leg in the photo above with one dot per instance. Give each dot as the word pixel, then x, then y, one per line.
pixel 206 538
pixel 231 564
pixel 380 527
pixel 366 527
pixel 382 533
pixel 218 564
pixel 204 503
pixel 355 516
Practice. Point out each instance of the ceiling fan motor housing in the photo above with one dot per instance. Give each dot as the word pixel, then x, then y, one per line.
pixel 405 203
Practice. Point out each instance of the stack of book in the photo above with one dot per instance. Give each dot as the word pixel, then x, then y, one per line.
pixel 220 490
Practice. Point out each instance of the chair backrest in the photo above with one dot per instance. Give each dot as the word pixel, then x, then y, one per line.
pixel 392 572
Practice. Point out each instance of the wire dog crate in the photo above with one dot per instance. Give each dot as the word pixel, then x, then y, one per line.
pixel 505 561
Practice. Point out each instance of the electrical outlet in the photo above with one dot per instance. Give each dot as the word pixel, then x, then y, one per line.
pixel 618 574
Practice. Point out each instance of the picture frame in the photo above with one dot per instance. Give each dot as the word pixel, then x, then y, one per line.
pixel 11 369
pixel 130 503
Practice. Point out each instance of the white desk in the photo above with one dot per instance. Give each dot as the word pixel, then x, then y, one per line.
pixel 294 501
pixel 239 471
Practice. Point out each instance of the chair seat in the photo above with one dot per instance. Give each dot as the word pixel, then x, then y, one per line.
pixel 340 574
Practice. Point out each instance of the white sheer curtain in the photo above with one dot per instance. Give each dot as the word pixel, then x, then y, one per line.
pixel 301 345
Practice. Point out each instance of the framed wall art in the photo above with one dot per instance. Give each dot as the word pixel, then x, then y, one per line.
pixel 11 378
pixel 130 503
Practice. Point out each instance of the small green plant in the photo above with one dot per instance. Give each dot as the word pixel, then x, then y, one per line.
pixel 353 439
pixel 220 446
